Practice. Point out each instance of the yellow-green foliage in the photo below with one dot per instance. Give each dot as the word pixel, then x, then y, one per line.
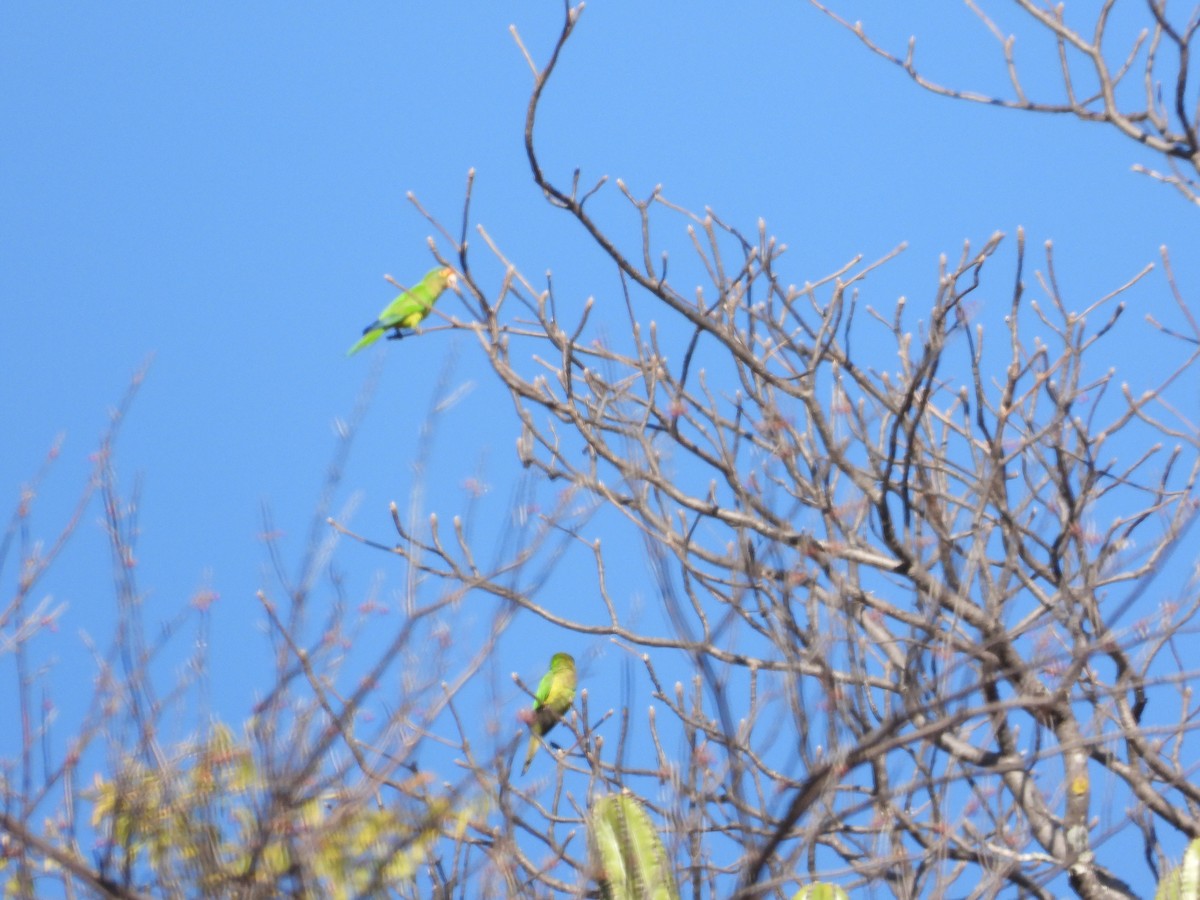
pixel 820 890
pixel 632 860
pixel 204 819
pixel 1183 881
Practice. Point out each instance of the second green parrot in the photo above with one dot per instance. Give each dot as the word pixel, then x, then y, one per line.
pixel 555 694
pixel 407 310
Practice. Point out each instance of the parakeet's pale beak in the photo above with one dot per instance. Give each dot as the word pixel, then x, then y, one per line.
pixel 452 282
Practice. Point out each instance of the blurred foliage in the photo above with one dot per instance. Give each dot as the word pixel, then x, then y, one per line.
pixel 207 817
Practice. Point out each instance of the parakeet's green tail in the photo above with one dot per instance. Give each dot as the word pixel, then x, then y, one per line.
pixel 533 745
pixel 366 340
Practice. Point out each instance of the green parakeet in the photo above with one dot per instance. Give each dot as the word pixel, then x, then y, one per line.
pixel 407 310
pixel 555 694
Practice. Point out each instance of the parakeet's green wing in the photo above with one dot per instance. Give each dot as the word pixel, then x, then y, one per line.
pixel 404 308
pixel 543 691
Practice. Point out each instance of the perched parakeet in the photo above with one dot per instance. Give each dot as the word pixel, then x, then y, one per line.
pixel 407 310
pixel 555 694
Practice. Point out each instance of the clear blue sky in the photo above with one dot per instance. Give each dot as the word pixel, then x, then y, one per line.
pixel 224 186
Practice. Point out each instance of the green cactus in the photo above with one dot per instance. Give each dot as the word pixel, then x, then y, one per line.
pixel 820 890
pixel 1183 881
pixel 631 856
